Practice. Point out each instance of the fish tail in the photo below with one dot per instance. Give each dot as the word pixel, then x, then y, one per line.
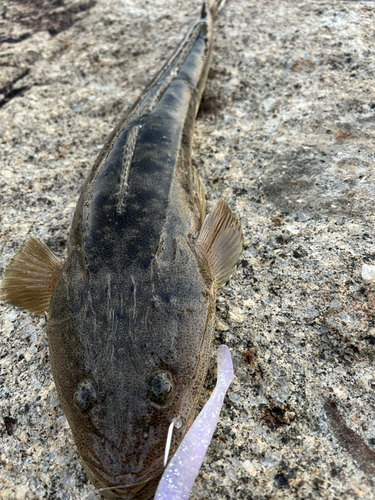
pixel 214 7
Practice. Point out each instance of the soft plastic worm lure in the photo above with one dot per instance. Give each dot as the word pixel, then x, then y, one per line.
pixel 180 474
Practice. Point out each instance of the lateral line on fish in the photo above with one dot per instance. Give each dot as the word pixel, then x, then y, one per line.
pixel 127 157
pixel 160 246
pixel 108 289
pixel 130 330
pixel 134 297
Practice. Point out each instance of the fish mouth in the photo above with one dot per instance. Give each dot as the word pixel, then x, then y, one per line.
pixel 126 486
pixel 130 486
pixel 144 491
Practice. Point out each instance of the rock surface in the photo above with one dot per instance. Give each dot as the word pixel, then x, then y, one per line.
pixel 285 134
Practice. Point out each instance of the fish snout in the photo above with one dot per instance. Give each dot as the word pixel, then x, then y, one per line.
pixel 126 486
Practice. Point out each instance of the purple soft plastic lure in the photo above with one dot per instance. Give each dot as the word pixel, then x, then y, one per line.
pixel 180 474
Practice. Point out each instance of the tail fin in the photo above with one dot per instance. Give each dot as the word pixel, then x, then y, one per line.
pixel 215 6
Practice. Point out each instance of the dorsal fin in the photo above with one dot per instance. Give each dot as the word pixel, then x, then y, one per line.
pixel 220 241
pixel 30 277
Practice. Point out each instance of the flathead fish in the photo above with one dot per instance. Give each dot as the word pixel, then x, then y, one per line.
pixel 131 311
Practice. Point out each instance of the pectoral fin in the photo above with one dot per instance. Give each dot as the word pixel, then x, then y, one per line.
pixel 220 241
pixel 31 277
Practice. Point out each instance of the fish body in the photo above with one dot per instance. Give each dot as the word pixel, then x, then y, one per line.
pixel 131 315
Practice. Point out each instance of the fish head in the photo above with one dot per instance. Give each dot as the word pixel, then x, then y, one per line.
pixel 121 432
pixel 129 357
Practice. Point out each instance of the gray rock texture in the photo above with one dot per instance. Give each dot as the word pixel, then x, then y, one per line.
pixel 286 135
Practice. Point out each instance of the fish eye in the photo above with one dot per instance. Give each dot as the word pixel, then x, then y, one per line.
pixel 160 388
pixel 85 397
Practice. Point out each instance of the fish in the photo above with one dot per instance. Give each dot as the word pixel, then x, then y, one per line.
pixel 130 312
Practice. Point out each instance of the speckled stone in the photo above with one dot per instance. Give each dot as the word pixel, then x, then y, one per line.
pixel 285 134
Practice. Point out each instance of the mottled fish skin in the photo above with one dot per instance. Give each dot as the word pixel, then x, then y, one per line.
pixel 131 312
pixel 134 297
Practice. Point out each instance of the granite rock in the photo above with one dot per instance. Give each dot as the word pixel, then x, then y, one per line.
pixel 285 134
